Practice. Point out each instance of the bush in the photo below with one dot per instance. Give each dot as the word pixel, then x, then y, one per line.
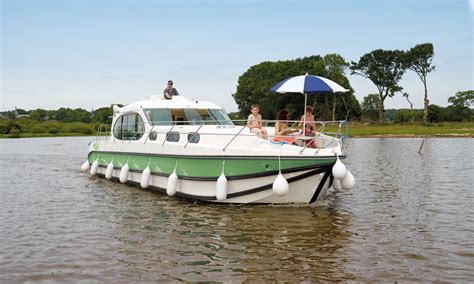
pixel 38 128
pixel 77 127
pixel 405 115
pixel 434 113
pixel 6 125
pixel 53 131
pixel 456 113
pixel 15 132
pixel 4 129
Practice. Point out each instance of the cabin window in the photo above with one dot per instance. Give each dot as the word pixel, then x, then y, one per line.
pixel 193 116
pixel 129 127
pixel 193 137
pixel 172 136
pixel 177 114
pixel 152 136
pixel 159 116
pixel 187 116
pixel 221 116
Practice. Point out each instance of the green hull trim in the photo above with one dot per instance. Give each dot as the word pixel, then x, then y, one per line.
pixel 206 167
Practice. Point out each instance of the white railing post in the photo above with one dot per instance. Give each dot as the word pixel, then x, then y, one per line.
pixel 235 136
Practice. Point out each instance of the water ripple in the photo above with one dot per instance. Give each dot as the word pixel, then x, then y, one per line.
pixel 408 219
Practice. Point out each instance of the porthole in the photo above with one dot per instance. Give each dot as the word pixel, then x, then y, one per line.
pixel 193 137
pixel 152 135
pixel 172 136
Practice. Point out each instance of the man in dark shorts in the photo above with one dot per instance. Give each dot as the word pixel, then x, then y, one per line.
pixel 169 92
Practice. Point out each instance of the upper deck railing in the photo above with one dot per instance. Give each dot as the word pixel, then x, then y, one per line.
pixel 323 129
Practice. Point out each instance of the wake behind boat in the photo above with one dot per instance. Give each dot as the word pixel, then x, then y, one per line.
pixel 192 149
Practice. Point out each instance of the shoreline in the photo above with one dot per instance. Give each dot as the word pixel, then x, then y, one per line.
pixel 355 130
pixel 444 135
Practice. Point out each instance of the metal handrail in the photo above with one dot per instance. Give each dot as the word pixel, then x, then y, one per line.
pixel 168 132
pixel 194 135
pixel 335 135
pixel 235 136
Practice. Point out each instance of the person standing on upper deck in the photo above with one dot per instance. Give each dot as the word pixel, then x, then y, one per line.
pixel 169 92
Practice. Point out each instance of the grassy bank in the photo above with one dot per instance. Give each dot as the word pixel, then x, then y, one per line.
pixel 447 129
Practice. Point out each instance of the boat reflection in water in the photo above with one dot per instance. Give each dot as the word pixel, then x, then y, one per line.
pixel 170 239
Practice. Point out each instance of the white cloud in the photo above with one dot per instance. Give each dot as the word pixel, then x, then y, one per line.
pixel 471 4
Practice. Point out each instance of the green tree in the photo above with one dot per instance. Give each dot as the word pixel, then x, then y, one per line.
pixel 254 87
pixel 419 59
pixel 38 114
pixel 61 114
pixel 102 115
pixel 370 107
pixel 434 113
pixel 336 67
pixel 385 69
pixel 462 98
pixel 6 126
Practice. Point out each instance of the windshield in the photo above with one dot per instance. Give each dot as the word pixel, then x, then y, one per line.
pixel 221 116
pixel 188 116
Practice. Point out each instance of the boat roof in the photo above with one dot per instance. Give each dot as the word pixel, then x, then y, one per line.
pixel 176 102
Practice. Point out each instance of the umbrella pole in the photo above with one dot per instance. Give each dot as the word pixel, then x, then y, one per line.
pixel 304 113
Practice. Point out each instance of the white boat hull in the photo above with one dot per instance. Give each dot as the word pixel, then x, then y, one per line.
pixel 305 186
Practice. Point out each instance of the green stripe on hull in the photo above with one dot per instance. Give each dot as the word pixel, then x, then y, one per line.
pixel 205 167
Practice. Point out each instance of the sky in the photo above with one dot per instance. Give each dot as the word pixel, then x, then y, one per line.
pixel 90 54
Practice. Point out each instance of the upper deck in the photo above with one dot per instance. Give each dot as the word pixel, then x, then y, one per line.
pixel 158 102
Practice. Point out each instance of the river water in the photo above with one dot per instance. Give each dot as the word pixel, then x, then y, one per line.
pixel 409 218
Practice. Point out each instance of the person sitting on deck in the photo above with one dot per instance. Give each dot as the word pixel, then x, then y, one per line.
pixel 282 130
pixel 310 125
pixel 255 124
pixel 308 121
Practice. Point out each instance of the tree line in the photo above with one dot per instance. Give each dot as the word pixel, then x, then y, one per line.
pixel 63 120
pixel 384 68
pixel 458 110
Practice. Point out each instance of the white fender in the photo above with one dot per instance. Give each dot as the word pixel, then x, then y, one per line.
pixel 336 184
pixel 339 170
pixel 221 188
pixel 280 185
pixel 145 180
pixel 85 166
pixel 109 171
pixel 95 166
pixel 348 181
pixel 124 173
pixel 172 184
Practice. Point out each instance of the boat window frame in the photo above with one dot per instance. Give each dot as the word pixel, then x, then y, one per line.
pixel 170 134
pixel 213 116
pixel 227 120
pixel 194 137
pixel 138 127
pixel 158 123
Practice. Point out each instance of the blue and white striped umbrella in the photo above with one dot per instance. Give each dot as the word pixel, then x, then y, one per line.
pixel 307 84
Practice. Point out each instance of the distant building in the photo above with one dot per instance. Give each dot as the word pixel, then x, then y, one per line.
pixel 17 115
